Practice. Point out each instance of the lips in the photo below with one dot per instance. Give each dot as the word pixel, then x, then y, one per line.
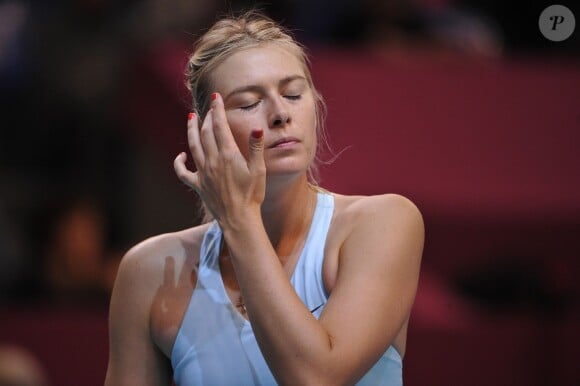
pixel 282 141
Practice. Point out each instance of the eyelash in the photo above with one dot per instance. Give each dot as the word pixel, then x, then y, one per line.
pixel 253 105
pixel 249 107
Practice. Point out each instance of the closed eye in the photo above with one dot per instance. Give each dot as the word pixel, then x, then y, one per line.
pixel 293 97
pixel 250 107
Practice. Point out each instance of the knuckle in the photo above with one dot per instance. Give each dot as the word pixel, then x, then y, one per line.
pixel 228 155
pixel 212 166
pixel 182 175
pixel 260 170
pixel 256 147
pixel 217 119
pixel 205 130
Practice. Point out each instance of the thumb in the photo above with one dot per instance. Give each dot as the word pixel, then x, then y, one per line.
pixel 256 156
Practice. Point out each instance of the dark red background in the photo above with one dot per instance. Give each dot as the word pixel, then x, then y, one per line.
pixel 488 150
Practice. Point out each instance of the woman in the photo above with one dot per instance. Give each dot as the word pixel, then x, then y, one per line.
pixel 290 284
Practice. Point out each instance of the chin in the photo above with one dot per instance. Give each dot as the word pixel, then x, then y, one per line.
pixel 281 172
pixel 287 165
pixel 287 171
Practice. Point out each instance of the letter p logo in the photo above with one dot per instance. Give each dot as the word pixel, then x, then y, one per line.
pixel 556 23
pixel 556 20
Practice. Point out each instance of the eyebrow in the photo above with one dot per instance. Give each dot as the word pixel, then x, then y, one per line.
pixel 256 88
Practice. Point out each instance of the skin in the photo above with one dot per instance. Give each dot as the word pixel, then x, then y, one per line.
pixel 263 203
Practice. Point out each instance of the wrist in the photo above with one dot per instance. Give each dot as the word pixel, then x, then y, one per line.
pixel 242 220
pixel 244 233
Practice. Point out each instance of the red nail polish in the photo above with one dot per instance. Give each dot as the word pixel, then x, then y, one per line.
pixel 214 96
pixel 190 116
pixel 257 133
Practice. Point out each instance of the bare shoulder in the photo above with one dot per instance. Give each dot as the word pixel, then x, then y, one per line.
pixel 390 224
pixel 378 210
pixel 149 265
pixel 387 228
pixel 147 260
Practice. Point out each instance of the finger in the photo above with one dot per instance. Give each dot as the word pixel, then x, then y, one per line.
pixel 193 140
pixel 207 137
pixel 223 133
pixel 186 176
pixel 256 162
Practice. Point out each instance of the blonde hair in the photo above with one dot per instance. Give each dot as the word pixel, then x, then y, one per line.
pixel 235 33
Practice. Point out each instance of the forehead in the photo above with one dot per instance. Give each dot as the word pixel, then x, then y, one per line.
pixel 258 65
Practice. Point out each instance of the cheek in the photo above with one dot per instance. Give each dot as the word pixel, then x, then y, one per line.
pixel 310 123
pixel 241 128
pixel 313 145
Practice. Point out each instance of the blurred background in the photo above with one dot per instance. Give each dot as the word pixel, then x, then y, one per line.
pixel 461 105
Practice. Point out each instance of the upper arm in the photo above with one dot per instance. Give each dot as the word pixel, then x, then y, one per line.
pixel 133 357
pixel 377 278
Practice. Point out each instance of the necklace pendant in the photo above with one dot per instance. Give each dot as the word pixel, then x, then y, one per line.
pixel 241 306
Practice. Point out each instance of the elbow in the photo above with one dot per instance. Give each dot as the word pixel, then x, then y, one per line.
pixel 319 376
pixel 325 368
pixel 313 381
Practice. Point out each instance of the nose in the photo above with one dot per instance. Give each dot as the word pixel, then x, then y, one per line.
pixel 279 116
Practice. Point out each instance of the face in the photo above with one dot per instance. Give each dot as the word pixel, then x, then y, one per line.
pixel 266 87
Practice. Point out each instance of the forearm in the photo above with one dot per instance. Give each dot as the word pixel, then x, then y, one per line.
pixel 296 345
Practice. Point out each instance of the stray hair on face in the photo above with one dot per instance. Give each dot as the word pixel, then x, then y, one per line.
pixel 232 34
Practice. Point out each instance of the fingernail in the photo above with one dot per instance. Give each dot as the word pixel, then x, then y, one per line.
pixel 190 116
pixel 214 96
pixel 257 134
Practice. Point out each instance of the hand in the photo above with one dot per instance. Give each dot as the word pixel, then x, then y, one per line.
pixel 227 183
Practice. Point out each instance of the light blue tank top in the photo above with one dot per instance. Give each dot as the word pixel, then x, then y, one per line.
pixel 215 344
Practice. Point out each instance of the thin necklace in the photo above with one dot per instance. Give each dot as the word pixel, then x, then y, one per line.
pixel 241 305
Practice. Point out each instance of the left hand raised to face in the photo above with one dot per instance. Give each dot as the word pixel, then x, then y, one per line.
pixel 226 182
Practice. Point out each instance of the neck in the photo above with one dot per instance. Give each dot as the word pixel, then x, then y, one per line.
pixel 286 212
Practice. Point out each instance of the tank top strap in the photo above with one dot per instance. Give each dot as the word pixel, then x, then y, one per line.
pixel 307 276
pixel 210 245
pixel 209 276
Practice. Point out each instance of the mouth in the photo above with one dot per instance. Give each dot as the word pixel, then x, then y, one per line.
pixel 283 142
